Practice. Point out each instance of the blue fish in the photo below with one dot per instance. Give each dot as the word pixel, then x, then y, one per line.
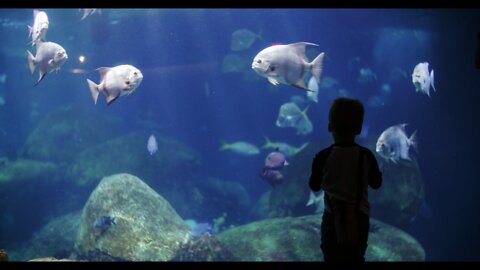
pixel 103 222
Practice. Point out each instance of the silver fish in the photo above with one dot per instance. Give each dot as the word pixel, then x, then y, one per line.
pixel 115 82
pixel 152 145
pixel 38 30
pixel 422 79
pixel 89 11
pixel 287 64
pixel 49 57
pixel 394 144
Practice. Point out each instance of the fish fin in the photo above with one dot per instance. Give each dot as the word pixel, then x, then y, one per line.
pixel 273 81
pixel 311 199
pixel 394 160
pixel 301 84
pixel 112 98
pixel 301 147
pixel 286 163
pixel 402 126
pixel 431 81
pixel 224 146
pixel 30 31
pixel 31 62
pixel 103 71
pixel 35 13
pixel 85 15
pixel 316 67
pixel 41 75
pixel 267 141
pixel 300 48
pixel 413 141
pixel 94 90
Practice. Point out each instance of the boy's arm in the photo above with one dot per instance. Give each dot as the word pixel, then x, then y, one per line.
pixel 317 170
pixel 375 176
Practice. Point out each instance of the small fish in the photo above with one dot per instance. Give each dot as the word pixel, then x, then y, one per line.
pixel 243 39
pixel 317 200
pixel 275 160
pixel 394 144
pixel 103 222
pixel 198 229
pixel 291 116
pixel 287 64
pixel 273 177
pixel 89 11
pixel 313 86
pixel 421 79
pixel 285 148
pixel 152 146
pixel 240 147
pixel 49 57
pixel 39 29
pixel 3 78
pixel 115 82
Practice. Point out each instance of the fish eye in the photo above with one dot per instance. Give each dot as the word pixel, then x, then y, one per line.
pixel 259 61
pixel 272 68
pixel 135 73
pixel 127 82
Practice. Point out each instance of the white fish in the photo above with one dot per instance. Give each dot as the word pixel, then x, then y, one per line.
pixel 3 78
pixel 394 144
pixel 313 86
pixel 287 64
pixel 287 149
pixel 89 11
pixel 49 57
pixel 39 29
pixel 317 200
pixel 115 82
pixel 366 75
pixel 241 147
pixel 422 79
pixel 242 39
pixel 291 116
pixel 152 145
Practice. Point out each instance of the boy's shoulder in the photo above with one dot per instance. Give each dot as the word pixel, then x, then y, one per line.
pixel 324 152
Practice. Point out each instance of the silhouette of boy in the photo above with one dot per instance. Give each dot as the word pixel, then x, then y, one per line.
pixel 339 170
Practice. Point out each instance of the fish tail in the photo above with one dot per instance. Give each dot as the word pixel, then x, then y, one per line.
pixel 431 80
pixel 94 90
pixel 224 146
pixel 413 141
pixel 31 62
pixel 30 31
pixel 317 66
pixel 302 146
pixel 311 199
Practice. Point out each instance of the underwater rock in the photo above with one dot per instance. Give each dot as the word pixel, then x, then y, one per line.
pixel 145 227
pixel 66 131
pixel 3 256
pixel 298 239
pixel 260 209
pixel 56 239
pixel 20 170
pixel 399 200
pixel 174 162
pixel 203 248
pixel 51 259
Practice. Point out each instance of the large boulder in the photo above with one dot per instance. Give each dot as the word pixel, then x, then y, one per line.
pixel 66 131
pixel 298 239
pixel 145 228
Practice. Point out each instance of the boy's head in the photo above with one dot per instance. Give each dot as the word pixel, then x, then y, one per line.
pixel 346 117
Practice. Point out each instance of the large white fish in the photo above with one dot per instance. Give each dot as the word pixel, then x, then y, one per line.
pixel 115 82
pixel 422 79
pixel 287 64
pixel 39 29
pixel 49 57
pixel 152 145
pixel 394 144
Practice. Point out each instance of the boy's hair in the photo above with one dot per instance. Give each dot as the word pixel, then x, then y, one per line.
pixel 346 116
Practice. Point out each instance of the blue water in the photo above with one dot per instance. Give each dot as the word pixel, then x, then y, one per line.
pixel 180 53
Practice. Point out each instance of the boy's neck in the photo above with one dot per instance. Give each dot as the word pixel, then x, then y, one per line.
pixel 343 139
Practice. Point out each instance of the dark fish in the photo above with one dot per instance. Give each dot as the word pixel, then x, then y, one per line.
pixel 275 160
pixel 271 176
pixel 103 222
